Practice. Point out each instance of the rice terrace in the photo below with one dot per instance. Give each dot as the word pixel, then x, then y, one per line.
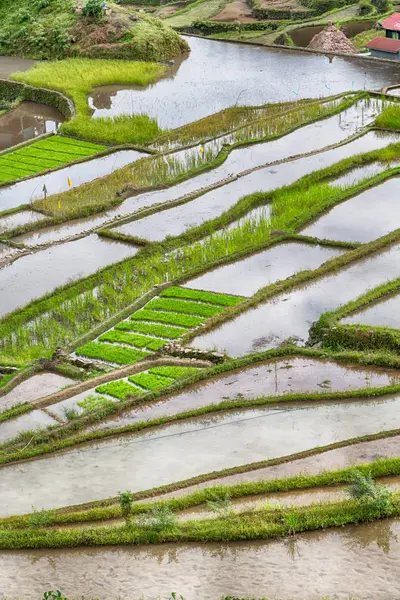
pixel 199 300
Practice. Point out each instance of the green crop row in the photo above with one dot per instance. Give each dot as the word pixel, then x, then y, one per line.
pixel 114 354
pixel 173 372
pixel 119 389
pixel 42 155
pixel 150 381
pixel 210 297
pixel 184 306
pixel 133 339
pixel 171 318
pixel 165 331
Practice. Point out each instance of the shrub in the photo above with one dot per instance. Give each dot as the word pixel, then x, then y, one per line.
pixel 382 6
pixel 365 7
pixel 94 9
pixel 94 403
pixel 160 518
pixel 374 496
pixel 125 503
pixel 40 518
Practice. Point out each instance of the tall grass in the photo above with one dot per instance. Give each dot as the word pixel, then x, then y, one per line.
pixel 389 118
pixel 76 77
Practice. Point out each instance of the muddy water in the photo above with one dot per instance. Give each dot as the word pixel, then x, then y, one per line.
pixel 363 218
pixel 11 64
pixel 177 220
pixel 290 315
pixel 356 175
pixel 394 92
pixel 266 379
pixel 247 276
pixel 303 36
pixel 61 408
pixel 200 87
pixel 37 274
pixel 37 419
pixel 382 314
pixel 333 459
pixel 175 452
pixel 57 181
pixel 7 251
pixel 35 387
pixel 26 121
pixel 18 219
pixel 362 561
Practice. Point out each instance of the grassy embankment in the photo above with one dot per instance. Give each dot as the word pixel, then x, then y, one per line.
pixel 77 77
pixel 73 310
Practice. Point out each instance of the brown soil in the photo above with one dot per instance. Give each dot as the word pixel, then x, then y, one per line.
pixel 235 11
pixel 87 34
pixel 331 39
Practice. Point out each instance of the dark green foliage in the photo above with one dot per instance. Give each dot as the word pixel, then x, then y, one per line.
pixel 382 6
pixel 125 503
pixel 375 497
pixel 365 7
pixel 211 27
pixel 93 9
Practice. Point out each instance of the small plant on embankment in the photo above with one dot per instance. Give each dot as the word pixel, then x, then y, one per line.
pixel 375 497
pixel 389 118
pixel 125 503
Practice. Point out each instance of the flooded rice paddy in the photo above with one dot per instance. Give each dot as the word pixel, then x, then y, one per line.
pixel 37 419
pixel 366 565
pixel 12 64
pixel 272 378
pixel 356 175
pixel 290 315
pixel 39 273
pixel 200 87
pixel 23 217
pixel 57 181
pixel 37 386
pixel 385 313
pixel 27 121
pixel 247 276
pixel 362 218
pixel 176 452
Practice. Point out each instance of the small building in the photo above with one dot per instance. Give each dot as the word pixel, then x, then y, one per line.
pixel 382 47
pixel 388 46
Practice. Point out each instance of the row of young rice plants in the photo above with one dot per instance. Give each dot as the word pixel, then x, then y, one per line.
pixel 147 381
pixel 35 331
pixel 157 318
pixel 49 153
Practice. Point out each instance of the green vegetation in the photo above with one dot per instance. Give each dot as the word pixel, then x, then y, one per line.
pixel 171 318
pixel 15 411
pixel 364 37
pixel 110 353
pixel 389 118
pixel 200 295
pixel 165 331
pixel 50 153
pixel 150 381
pixel 119 389
pixel 184 306
pixel 96 404
pixel 77 77
pixel 140 341
pixel 173 372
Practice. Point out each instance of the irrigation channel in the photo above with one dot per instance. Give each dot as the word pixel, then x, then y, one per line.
pixel 211 378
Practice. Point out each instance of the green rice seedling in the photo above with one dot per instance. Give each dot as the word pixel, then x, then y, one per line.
pixel 173 372
pixel 173 318
pixel 119 389
pixel 110 353
pixel 94 404
pixel 133 339
pixel 150 381
pixel 165 331
pixel 210 297
pixel 184 306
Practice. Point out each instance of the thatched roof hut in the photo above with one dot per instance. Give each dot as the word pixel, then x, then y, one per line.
pixel 331 39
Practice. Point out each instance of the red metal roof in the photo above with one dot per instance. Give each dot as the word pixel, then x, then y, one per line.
pixel 392 22
pixel 385 44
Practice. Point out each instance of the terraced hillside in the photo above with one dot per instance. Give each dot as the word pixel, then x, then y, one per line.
pixel 199 342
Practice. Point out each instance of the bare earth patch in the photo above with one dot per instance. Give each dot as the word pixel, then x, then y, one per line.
pixel 235 11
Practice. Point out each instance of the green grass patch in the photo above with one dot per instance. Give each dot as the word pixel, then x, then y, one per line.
pixel 15 411
pixel 184 306
pixel 110 353
pixel 119 389
pixel 364 37
pixel 165 331
pixel 77 77
pixel 173 372
pixel 210 297
pixel 389 118
pixel 150 381
pixel 173 318
pixel 140 341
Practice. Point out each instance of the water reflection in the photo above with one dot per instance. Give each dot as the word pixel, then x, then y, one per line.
pixel 28 120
